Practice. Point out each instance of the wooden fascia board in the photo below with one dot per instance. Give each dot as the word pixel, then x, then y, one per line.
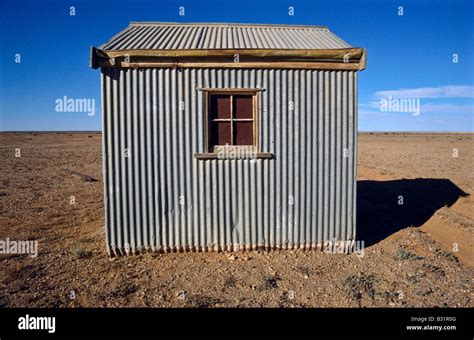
pixel 338 59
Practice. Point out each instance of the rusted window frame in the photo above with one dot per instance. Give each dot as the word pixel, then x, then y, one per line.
pixel 211 154
pixel 232 119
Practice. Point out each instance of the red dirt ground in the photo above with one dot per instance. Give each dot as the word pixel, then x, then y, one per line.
pixel 420 254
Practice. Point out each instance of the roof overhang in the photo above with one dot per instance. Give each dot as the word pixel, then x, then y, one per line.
pixel 325 59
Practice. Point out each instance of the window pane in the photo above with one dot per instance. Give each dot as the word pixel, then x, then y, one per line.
pixel 243 133
pixel 220 106
pixel 220 133
pixel 243 106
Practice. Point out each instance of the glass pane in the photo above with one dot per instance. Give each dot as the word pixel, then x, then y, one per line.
pixel 219 106
pixel 219 133
pixel 243 133
pixel 243 106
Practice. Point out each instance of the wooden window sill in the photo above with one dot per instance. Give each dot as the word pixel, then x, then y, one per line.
pixel 211 155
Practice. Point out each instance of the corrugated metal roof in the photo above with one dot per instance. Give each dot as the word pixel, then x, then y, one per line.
pixel 179 36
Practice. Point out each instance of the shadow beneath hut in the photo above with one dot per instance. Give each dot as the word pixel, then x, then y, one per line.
pixel 379 213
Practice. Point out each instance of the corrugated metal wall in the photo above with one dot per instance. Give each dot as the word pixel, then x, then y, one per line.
pixel 161 197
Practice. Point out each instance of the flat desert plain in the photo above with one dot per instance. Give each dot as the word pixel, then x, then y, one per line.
pixel 417 254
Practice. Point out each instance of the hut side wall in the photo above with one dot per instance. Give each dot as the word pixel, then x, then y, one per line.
pixel 158 196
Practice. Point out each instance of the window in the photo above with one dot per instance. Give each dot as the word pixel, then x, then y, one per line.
pixel 232 125
pixel 231 119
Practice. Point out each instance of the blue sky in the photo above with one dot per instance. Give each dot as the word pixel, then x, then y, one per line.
pixel 409 56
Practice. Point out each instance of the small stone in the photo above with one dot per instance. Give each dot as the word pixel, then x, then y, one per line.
pixel 180 294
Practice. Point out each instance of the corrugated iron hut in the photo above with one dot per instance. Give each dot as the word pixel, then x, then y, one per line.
pixel 228 137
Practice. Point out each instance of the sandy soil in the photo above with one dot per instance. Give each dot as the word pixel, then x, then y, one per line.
pixel 418 254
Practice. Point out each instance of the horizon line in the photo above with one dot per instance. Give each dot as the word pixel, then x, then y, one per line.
pixel 100 131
